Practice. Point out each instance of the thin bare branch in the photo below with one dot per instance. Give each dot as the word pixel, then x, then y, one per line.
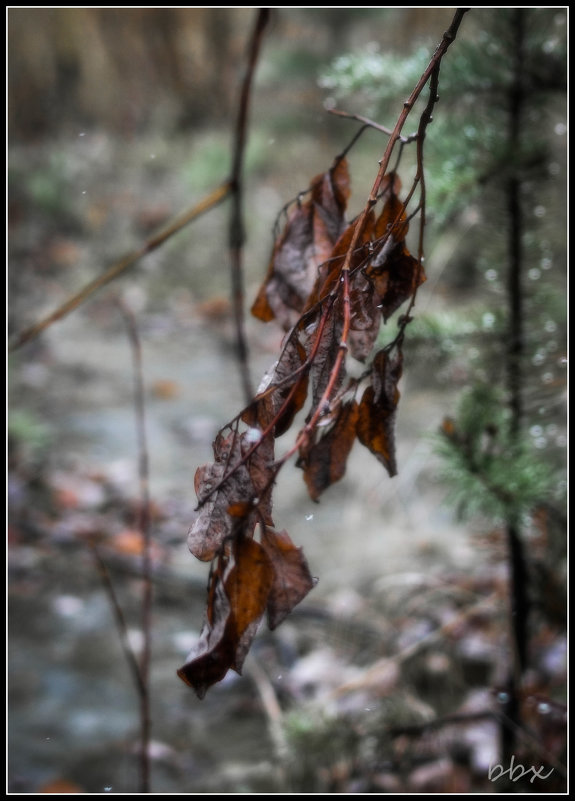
pixel 144 525
pixel 237 228
pixel 395 135
pixel 367 123
pixel 77 299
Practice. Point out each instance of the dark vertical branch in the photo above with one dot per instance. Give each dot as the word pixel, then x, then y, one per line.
pixel 519 602
pixel 237 229
pixel 144 526
pixel 514 287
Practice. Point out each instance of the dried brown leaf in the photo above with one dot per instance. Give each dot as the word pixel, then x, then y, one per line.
pixel 365 316
pixel 292 580
pixel 398 283
pixel 324 461
pixel 394 272
pixel 306 242
pixel 329 273
pixel 330 193
pixel 392 221
pixel 326 352
pixel 213 655
pixel 260 467
pixel 247 587
pixel 213 523
pixel 236 604
pixel 261 307
pixel 377 410
pixel 283 391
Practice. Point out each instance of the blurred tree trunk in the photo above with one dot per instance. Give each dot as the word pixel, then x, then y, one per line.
pixel 124 68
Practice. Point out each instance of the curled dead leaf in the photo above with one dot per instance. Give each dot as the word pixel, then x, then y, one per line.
pixel 394 272
pixel 213 524
pixel 307 241
pixel 324 461
pixel 377 409
pixel 292 578
pixel 238 596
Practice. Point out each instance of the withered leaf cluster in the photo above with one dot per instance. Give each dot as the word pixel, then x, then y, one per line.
pixel 330 284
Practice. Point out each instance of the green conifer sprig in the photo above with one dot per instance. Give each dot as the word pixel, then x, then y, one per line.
pixel 488 469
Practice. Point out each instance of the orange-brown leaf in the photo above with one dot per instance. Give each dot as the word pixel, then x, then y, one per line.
pixel 330 271
pixel 392 220
pixel 404 275
pixel 324 461
pixel 261 308
pixel 213 655
pixel 237 601
pixel 247 587
pixel 306 242
pixel 292 579
pixel 377 409
pixel 394 272
pixel 249 583
pixel 364 312
pixel 283 391
pixel 340 184
pixel 240 509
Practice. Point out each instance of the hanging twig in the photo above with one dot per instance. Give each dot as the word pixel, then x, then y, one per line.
pixel 324 302
pixel 395 135
pixel 430 75
pixel 237 228
pixel 144 526
pixel 367 123
pixel 77 299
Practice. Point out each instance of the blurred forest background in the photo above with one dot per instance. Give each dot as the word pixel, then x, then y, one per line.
pixel 403 670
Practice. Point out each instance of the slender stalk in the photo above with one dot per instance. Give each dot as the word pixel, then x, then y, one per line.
pixel 144 525
pixel 236 226
pixel 516 99
pixel 367 123
pixel 395 136
pixel 140 669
